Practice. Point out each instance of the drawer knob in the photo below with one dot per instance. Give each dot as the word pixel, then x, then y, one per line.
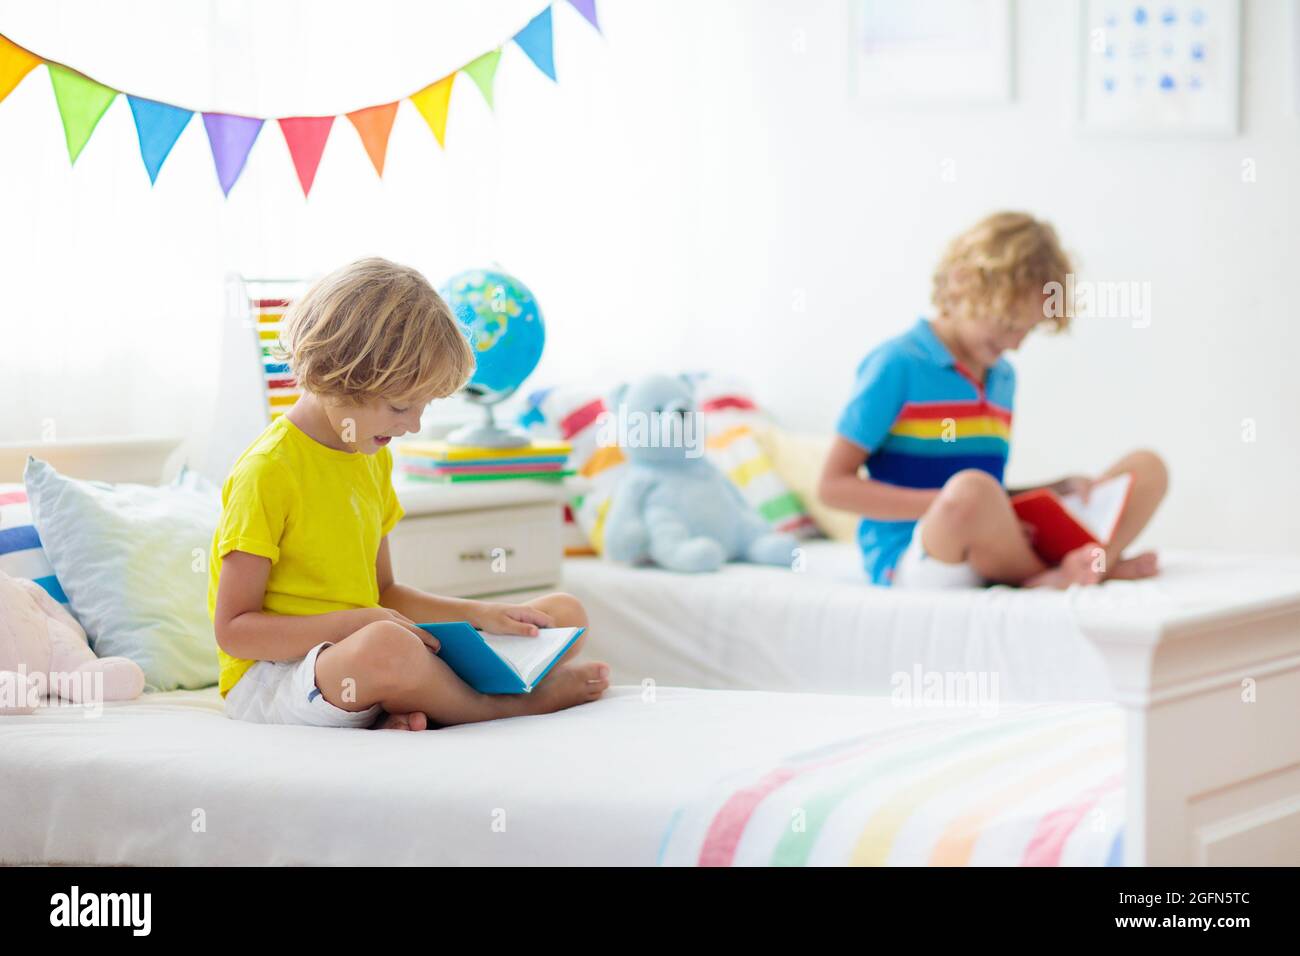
pixel 481 555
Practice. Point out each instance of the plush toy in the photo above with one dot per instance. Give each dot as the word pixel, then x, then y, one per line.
pixel 674 507
pixel 43 652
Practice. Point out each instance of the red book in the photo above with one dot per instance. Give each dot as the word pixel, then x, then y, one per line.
pixel 1062 523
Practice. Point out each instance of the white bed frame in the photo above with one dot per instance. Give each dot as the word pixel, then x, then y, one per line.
pixel 1212 703
pixel 1213 717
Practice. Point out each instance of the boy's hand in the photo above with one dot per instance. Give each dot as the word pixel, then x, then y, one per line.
pixel 509 619
pixel 1080 485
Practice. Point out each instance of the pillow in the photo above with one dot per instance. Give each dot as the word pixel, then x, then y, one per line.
pixel 798 459
pixel 574 414
pixel 21 552
pixel 133 561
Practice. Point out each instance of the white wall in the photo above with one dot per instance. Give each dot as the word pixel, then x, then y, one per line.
pixel 696 174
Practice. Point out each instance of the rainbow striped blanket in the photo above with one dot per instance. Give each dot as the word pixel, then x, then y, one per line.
pixel 1043 786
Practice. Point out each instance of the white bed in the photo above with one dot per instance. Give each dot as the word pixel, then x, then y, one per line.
pixel 825 629
pixel 168 779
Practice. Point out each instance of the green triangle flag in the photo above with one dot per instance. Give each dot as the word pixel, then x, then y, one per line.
pixel 82 102
pixel 483 71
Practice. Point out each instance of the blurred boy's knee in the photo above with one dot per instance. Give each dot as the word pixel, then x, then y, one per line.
pixel 965 498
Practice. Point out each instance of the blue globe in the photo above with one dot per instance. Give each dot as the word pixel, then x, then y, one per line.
pixel 505 330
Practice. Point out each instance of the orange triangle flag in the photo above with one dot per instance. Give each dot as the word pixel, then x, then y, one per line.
pixel 432 102
pixel 373 124
pixel 306 137
pixel 15 63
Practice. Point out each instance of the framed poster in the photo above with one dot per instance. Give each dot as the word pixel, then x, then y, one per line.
pixel 1166 67
pixel 932 51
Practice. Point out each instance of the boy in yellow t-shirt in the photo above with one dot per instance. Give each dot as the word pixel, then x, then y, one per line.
pixel 310 625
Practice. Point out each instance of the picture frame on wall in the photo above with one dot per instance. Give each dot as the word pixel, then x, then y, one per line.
pixel 1169 67
pixel 932 52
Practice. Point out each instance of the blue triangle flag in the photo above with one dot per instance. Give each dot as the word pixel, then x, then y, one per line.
pixel 535 40
pixel 158 126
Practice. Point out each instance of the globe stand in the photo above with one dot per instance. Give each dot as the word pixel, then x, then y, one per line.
pixel 488 434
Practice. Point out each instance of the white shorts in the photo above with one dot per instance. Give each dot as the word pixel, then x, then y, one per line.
pixel 916 569
pixel 273 692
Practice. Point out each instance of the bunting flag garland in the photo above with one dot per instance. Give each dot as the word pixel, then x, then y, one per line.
pixel 306 136
pixel 373 124
pixel 158 126
pixel 82 102
pixel 535 40
pixel 483 71
pixel 432 102
pixel 231 137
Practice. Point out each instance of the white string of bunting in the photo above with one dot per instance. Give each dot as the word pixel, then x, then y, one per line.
pixel 82 102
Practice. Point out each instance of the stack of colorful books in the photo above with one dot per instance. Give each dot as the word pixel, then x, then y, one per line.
pixel 439 461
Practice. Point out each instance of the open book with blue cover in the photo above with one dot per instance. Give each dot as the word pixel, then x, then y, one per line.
pixel 501 663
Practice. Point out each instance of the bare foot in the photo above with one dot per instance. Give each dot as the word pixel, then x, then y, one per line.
pixel 569 685
pixel 1075 568
pixel 1144 565
pixel 416 720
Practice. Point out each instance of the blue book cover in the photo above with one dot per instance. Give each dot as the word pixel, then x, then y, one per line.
pixel 501 663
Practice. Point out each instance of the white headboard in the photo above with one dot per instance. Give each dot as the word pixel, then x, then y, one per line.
pixel 144 460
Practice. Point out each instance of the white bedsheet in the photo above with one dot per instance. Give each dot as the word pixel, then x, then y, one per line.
pixel 825 629
pixel 168 779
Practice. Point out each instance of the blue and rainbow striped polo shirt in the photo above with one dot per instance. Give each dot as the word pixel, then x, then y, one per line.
pixel 922 418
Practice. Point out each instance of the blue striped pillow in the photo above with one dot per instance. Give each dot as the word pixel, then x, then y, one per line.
pixel 21 552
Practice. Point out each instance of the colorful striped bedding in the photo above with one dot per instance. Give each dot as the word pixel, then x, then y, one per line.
pixel 1041 787
pixel 21 553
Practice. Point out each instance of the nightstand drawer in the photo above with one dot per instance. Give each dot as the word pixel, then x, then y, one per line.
pixel 467 553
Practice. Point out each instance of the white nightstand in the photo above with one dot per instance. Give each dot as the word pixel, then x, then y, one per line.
pixel 478 538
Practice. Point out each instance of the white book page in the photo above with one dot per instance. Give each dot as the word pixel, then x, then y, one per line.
pixel 530 655
pixel 1101 512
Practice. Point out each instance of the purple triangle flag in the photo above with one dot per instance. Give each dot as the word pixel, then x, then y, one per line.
pixel 231 137
pixel 588 10
pixel 535 40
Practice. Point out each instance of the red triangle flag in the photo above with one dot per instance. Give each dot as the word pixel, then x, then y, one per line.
pixel 373 124
pixel 306 137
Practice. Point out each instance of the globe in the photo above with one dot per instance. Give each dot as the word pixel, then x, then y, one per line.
pixel 507 334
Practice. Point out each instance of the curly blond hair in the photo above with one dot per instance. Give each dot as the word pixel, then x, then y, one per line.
pixel 998 261
pixel 375 329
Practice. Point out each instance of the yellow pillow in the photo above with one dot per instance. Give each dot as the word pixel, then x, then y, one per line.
pixel 798 459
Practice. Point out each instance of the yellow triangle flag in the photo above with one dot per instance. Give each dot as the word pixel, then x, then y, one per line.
pixel 15 63
pixel 432 102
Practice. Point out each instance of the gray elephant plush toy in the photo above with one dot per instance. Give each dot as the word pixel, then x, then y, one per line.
pixel 674 507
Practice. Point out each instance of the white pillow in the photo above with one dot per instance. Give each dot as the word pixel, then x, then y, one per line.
pixel 132 560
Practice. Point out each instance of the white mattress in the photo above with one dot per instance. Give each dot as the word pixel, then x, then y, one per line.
pixel 826 629
pixel 168 779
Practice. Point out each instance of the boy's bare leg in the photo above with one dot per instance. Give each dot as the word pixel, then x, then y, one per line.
pixel 384 663
pixel 972 520
pixel 565 610
pixel 1150 482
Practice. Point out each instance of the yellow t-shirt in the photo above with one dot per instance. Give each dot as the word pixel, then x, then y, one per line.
pixel 317 512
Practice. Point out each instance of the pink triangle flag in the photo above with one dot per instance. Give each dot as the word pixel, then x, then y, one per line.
pixel 306 136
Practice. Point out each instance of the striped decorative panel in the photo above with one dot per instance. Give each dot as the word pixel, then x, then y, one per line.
pixel 267 318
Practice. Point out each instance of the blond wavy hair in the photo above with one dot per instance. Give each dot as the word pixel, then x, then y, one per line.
pixel 996 263
pixel 375 329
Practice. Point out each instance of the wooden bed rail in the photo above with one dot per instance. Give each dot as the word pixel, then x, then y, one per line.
pixel 1212 702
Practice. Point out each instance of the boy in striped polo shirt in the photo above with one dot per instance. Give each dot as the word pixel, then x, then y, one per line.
pixel 930 417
